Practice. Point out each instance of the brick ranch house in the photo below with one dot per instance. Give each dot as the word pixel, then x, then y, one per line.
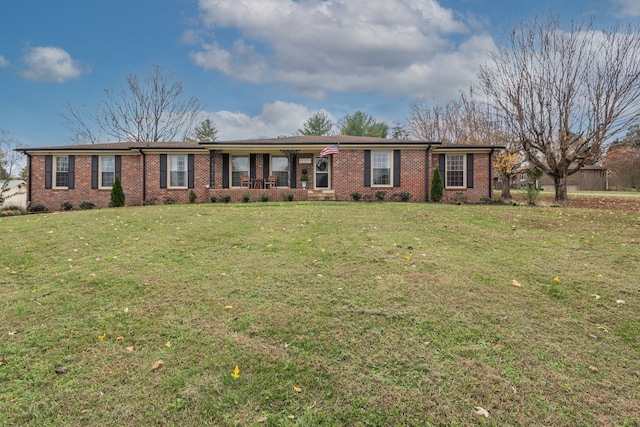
pixel 160 171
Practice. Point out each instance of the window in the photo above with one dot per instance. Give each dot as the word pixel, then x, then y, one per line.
pixel 61 172
pixel 239 167
pixel 107 171
pixel 178 170
pixel 280 168
pixel 455 171
pixel 381 169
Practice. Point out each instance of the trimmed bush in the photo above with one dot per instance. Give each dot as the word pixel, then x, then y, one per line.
pixel 169 201
pixel 246 198
pixel 437 189
pixel 288 197
pixel 117 195
pixel 87 205
pixel 214 199
pixel 66 206
pixel 38 208
pixel 264 198
pixel 192 196
pixel 380 195
pixel 355 196
pixel 225 199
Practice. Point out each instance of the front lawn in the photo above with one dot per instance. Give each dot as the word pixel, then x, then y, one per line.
pixel 335 314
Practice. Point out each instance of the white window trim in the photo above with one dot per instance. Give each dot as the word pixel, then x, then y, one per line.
pixel 54 173
pixel 186 170
pixel 373 184
pixel 100 172
pixel 231 170
pixel 464 172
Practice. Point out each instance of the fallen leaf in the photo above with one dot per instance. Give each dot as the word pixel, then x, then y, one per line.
pixel 556 279
pixel 2 362
pixel 621 301
pixel 481 411
pixel 120 338
pixel 129 349
pixel 297 389
pixel 103 336
pixel 593 368
pixel 167 344
pixel 236 372
pixel 597 297
pixel 228 307
pixel 157 364
pixel 61 370
pixel 262 420
pixel 516 284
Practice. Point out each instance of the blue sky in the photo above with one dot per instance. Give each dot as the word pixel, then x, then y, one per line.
pixel 261 66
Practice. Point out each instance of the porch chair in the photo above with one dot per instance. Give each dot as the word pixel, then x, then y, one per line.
pixel 245 181
pixel 272 181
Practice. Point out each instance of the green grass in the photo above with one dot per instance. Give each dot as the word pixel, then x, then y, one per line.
pixel 381 314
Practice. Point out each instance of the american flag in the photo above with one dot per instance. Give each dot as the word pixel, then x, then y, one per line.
pixel 332 149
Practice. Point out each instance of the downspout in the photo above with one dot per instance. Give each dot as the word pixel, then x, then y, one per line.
pixel 144 176
pixel 29 180
pixel 426 199
pixel 490 177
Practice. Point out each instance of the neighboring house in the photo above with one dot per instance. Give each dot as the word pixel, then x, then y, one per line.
pixel 14 193
pixel 161 172
pixel 588 178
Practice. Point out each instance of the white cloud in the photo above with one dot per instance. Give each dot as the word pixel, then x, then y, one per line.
pixel 50 64
pixel 4 62
pixel 398 47
pixel 628 8
pixel 278 118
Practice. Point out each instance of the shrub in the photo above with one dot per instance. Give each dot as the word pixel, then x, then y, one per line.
pixel 265 198
pixel 355 196
pixel 87 205
pixel 117 195
pixel 288 197
pixel 38 208
pixel 402 196
pixel 214 199
pixel 367 197
pixel 380 195
pixel 225 199
pixel 192 196
pixel 66 206
pixel 150 201
pixel 531 190
pixel 437 189
pixel 246 198
pixel 169 201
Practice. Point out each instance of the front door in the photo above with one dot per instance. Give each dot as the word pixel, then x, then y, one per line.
pixel 323 173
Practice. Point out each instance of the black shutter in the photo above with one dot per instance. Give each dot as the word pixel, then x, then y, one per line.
pixel 94 172
pixel 367 168
pixel 190 171
pixel 294 171
pixel 470 170
pixel 119 167
pixel 442 165
pixel 396 168
pixel 225 171
pixel 72 172
pixel 212 168
pixel 265 167
pixel 252 166
pixel 48 170
pixel 163 171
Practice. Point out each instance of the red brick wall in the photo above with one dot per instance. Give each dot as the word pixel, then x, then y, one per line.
pixel 481 183
pixel 348 175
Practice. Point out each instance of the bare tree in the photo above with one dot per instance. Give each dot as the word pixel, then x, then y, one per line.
pixel 9 158
pixel 464 120
pixel 149 109
pixel 564 93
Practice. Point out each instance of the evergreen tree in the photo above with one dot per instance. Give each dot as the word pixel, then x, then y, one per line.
pixel 318 124
pixel 362 124
pixel 117 195
pixel 437 188
pixel 206 131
